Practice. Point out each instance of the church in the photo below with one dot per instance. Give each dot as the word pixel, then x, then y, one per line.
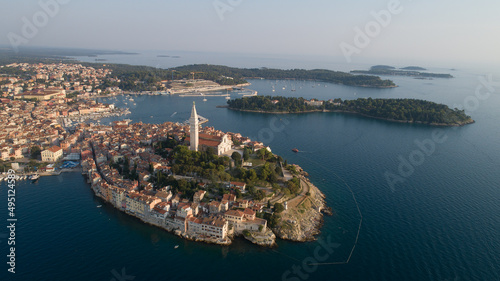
pixel 198 141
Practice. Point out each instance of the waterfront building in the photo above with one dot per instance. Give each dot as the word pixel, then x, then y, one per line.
pixel 214 227
pixel 52 154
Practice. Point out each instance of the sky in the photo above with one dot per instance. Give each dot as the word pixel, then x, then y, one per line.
pixel 406 30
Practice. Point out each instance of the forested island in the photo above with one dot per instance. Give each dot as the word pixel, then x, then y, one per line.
pixel 205 71
pixel 413 71
pixel 397 110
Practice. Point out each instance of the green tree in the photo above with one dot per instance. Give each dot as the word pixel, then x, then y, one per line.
pixel 251 175
pixel 278 207
pixel 236 156
pixel 35 152
pixel 262 153
pixel 246 154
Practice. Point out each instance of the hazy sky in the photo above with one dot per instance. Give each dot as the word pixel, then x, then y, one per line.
pixel 461 31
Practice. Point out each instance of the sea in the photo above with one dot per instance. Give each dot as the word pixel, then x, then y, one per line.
pixel 410 201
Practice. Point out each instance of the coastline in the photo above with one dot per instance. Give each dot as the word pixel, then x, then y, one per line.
pixel 309 216
pixel 355 113
pixel 308 221
pixel 304 223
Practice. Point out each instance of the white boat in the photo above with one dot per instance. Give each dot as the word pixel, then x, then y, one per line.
pixel 99 206
pixel 34 177
pixel 204 99
pixel 176 246
pixel 228 98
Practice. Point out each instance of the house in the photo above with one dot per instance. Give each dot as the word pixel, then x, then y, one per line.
pixel 239 185
pixel 224 205
pixel 198 196
pixel 249 214
pixel 231 198
pixel 245 220
pixel 214 207
pixel 52 154
pixel 314 102
pixel 234 216
pixel 215 227
pixel 184 210
pixel 165 196
pixel 194 225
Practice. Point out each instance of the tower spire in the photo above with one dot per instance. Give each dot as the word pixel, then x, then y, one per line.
pixel 193 112
pixel 194 129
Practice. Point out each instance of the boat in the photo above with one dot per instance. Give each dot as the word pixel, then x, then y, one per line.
pixel 99 206
pixel 176 246
pixel 34 177
pixel 228 98
pixel 295 150
pixel 204 99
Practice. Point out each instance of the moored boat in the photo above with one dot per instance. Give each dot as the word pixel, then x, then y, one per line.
pixel 34 177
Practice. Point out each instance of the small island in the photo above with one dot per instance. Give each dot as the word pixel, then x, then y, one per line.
pixel 413 71
pixel 417 68
pixel 396 110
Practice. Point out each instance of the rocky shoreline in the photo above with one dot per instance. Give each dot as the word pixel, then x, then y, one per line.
pixel 303 223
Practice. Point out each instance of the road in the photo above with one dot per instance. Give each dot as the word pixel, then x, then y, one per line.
pixel 294 202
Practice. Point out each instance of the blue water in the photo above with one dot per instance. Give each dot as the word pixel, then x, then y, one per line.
pixel 441 223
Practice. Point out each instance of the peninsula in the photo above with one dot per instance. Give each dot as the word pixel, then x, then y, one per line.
pixel 200 183
pixel 396 110
pixel 413 71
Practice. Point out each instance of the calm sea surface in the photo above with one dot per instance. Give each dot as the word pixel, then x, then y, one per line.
pixel 441 223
